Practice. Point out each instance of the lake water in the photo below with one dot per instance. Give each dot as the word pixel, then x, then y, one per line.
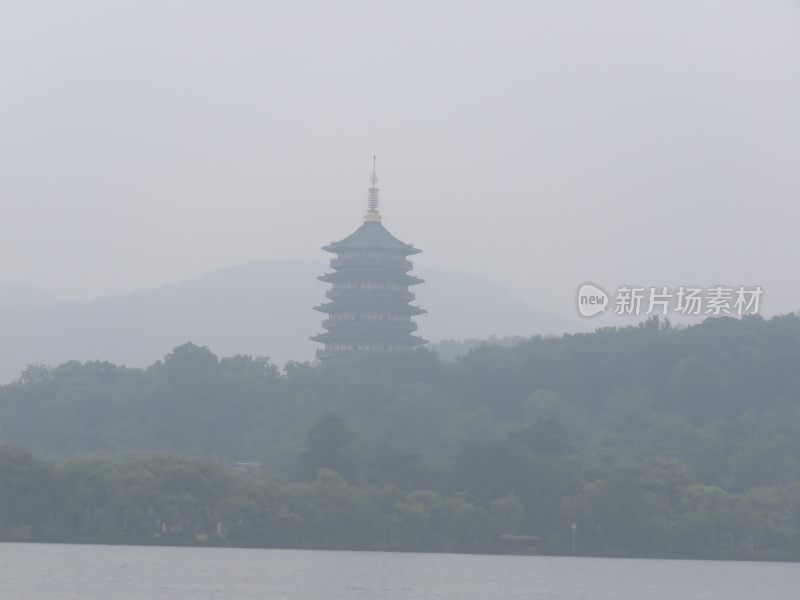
pixel 77 572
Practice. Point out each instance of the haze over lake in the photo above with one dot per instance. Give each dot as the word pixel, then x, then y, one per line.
pixel 62 572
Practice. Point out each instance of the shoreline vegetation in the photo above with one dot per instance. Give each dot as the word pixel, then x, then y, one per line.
pixel 655 442
pixel 266 523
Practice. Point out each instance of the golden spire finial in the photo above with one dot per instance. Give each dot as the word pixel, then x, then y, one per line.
pixel 373 214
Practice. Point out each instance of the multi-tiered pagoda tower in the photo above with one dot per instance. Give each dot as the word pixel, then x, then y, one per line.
pixel 370 303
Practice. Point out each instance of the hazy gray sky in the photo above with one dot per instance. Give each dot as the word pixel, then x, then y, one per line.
pixel 542 144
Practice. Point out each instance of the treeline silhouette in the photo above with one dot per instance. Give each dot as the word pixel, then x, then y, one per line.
pixel 652 440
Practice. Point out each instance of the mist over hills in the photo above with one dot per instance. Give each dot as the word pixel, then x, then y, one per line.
pixel 260 308
pixel 25 298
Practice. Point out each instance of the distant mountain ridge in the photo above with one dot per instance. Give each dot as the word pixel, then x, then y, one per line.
pixel 260 308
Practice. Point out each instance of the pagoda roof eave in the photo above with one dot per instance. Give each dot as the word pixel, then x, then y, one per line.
pixel 337 276
pixel 334 248
pixel 339 306
pixel 372 235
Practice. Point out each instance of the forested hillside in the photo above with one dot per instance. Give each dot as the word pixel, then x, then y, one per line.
pixel 652 440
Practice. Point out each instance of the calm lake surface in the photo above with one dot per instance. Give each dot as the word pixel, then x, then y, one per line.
pixel 58 572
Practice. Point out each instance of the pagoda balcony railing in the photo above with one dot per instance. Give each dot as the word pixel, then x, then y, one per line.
pixel 348 276
pixel 358 294
pixel 352 349
pixel 372 272
pixel 388 324
pixel 322 353
pixel 401 263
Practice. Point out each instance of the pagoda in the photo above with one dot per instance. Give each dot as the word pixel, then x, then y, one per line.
pixel 370 303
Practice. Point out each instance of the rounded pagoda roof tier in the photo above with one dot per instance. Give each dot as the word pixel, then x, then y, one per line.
pixel 353 304
pixel 372 235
